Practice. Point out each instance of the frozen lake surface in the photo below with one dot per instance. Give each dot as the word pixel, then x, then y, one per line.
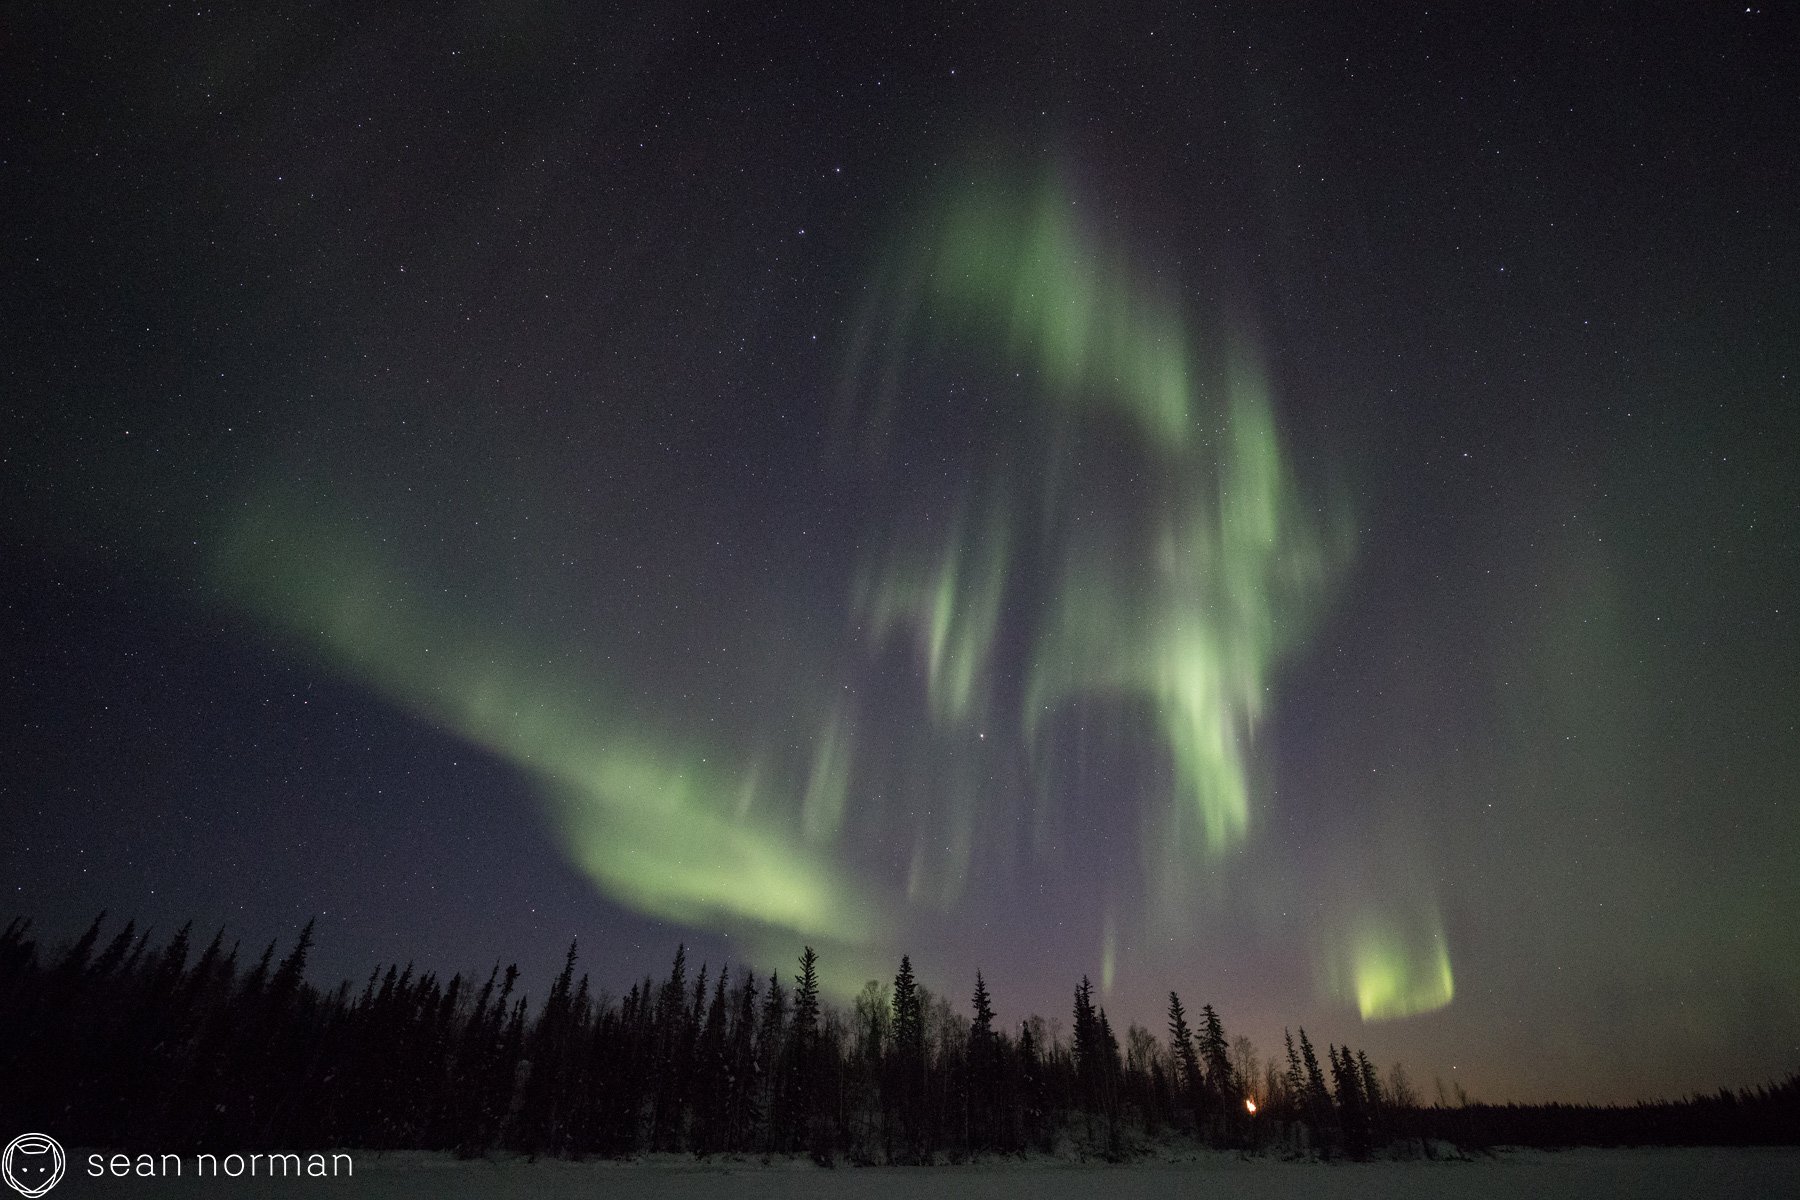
pixel 1770 1173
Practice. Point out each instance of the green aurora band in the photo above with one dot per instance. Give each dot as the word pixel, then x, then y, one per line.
pixel 647 816
pixel 1017 259
pixel 1398 967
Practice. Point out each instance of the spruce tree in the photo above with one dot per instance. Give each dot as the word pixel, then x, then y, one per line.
pixel 670 1029
pixel 1187 1062
pixel 1087 1045
pixel 909 1017
pixel 906 1071
pixel 711 1088
pixel 1347 1086
pixel 1373 1108
pixel 1317 1100
pixel 1033 1096
pixel 771 1050
pixel 536 1128
pixel 291 972
pixel 1217 1055
pixel 983 1083
pixel 1224 1096
pixel 75 963
pixel 1108 1081
pixel 741 1081
pixel 801 1085
pixel 1111 1062
pixel 981 1029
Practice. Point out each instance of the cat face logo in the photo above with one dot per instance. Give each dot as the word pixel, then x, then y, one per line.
pixel 33 1164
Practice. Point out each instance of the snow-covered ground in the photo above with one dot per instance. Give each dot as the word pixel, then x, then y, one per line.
pixel 1763 1174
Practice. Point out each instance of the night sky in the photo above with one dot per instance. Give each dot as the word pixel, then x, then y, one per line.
pixel 1293 507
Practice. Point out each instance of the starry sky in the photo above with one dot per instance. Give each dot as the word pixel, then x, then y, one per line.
pixel 1293 506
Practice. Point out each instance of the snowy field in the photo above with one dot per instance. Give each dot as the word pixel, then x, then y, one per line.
pixel 1763 1174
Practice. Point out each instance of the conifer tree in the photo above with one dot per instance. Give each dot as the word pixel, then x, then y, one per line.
pixel 75 963
pixel 113 957
pixel 806 1001
pixel 671 1034
pixel 1347 1086
pixel 907 1066
pixel 1093 1059
pixel 1224 1094
pixel 1373 1107
pixel 1216 1053
pixel 983 1085
pixel 1111 1069
pixel 800 1089
pixel 1191 1080
pixel 909 1016
pixel 1111 1063
pixel 1087 1044
pixel 771 1052
pixel 546 1047
pixel 741 1111
pixel 1033 1101
pixel 292 970
pixel 711 1075
pixel 1317 1100
pixel 981 1028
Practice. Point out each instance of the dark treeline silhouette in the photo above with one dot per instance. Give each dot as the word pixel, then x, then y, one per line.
pixel 118 1042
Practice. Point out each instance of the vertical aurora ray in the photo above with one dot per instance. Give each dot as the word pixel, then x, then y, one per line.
pixel 822 807
pixel 950 600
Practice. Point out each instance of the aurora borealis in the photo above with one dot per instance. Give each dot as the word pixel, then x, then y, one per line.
pixel 1293 508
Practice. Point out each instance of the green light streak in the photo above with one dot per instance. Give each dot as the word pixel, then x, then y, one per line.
pixel 938 869
pixel 822 808
pixel 952 603
pixel 656 822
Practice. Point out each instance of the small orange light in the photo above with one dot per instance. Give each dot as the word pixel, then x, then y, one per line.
pixel 1249 1104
